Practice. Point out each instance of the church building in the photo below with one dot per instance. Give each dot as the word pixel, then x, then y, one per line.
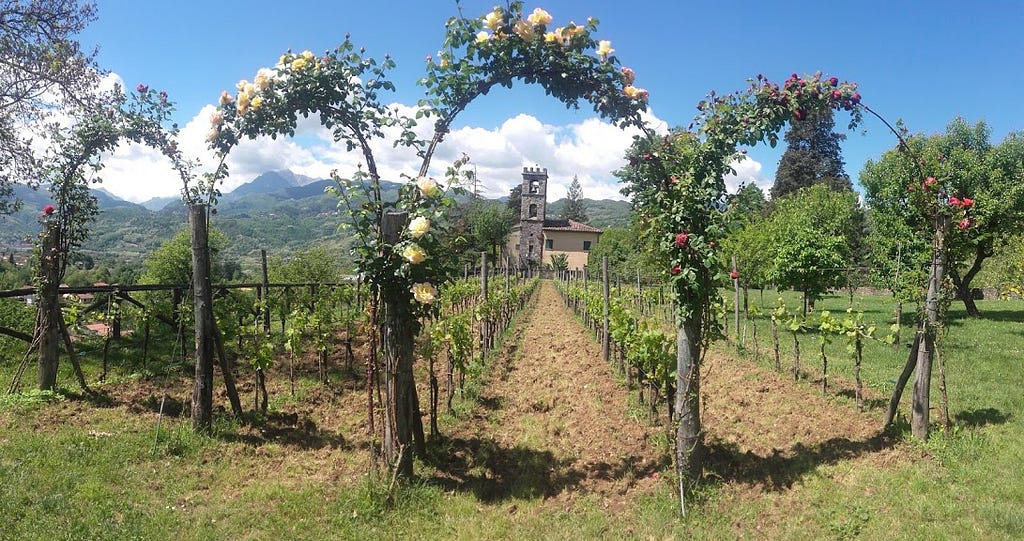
pixel 536 238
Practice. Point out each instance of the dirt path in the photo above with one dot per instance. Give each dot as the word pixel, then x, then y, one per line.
pixel 554 422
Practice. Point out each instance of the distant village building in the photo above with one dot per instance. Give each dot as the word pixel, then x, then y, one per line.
pixel 537 239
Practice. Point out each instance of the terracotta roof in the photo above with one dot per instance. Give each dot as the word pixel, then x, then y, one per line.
pixel 569 225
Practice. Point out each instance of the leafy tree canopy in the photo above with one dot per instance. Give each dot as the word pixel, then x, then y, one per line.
pixel 41 66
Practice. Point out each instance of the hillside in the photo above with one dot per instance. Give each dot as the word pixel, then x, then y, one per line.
pixel 601 212
pixel 278 211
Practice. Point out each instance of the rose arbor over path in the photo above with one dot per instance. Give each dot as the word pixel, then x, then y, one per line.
pixel 401 249
pixel 677 187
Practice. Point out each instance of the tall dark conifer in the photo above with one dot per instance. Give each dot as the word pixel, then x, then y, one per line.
pixel 812 156
pixel 575 208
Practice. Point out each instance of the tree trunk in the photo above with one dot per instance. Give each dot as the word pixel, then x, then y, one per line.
pixel 48 309
pixel 901 382
pixel 202 396
pixel 919 422
pixel 963 285
pixel 689 437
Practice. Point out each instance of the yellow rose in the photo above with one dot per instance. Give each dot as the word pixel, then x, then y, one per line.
pixel 493 20
pixel 307 54
pixel 539 16
pixel 424 292
pixel 524 30
pixel 444 63
pixel 299 64
pixel 243 103
pixel 635 93
pixel 225 98
pixel 428 186
pixel 212 135
pixel 217 118
pixel 256 102
pixel 414 254
pixel 283 60
pixel 604 48
pixel 482 37
pixel 263 78
pixel 419 226
pixel 241 84
pixel 550 37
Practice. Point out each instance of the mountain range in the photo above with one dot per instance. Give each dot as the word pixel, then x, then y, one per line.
pixel 278 210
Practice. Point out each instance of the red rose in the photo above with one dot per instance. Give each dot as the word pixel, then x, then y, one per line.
pixel 836 95
pixel 929 182
pixel 48 210
pixel 142 88
pixel 682 239
pixel 964 224
pixel 834 81
pixel 676 270
pixel 954 201
pixel 734 275
pixel 967 202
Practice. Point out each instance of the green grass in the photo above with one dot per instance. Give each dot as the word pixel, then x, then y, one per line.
pixel 72 470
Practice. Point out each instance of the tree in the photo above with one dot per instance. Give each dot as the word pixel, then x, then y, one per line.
pixel 812 155
pixel 490 225
pixel 41 66
pixel 515 202
pixel 625 257
pixel 987 175
pixel 813 236
pixel 575 209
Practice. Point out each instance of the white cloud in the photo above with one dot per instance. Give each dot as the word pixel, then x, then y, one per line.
pixel 590 149
pixel 747 171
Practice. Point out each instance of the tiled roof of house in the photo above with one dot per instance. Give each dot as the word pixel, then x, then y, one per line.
pixel 569 225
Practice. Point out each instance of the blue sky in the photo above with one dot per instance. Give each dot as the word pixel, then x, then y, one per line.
pixel 924 62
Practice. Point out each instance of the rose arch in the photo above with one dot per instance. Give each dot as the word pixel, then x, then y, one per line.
pixel 677 186
pixel 404 264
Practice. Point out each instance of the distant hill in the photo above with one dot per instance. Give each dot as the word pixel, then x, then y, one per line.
pixel 158 203
pixel 278 211
pixel 601 212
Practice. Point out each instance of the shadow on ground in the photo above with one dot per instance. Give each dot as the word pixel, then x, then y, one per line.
pixel 780 469
pixel 494 473
pixel 981 417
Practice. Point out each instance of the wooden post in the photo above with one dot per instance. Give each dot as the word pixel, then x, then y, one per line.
pixel 605 339
pixel 48 312
pixel 485 322
pixel 403 403
pixel 508 285
pixel 266 293
pixel 736 301
pixel 202 396
pixel 919 419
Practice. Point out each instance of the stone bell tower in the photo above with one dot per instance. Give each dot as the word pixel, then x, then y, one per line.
pixel 531 215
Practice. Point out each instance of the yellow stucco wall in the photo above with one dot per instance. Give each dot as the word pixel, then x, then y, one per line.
pixel 571 244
